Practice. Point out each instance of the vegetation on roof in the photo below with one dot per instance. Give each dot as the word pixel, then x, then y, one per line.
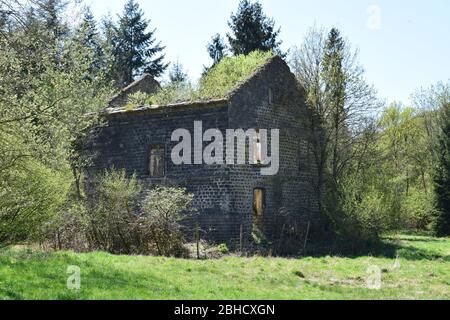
pixel 230 72
pixel 215 84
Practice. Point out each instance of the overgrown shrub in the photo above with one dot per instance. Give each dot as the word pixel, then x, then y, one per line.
pixel 163 210
pixel 358 212
pixel 137 99
pixel 111 213
pixel 120 219
pixel 418 209
pixel 68 229
pixel 30 196
pixel 172 93
pixel 223 248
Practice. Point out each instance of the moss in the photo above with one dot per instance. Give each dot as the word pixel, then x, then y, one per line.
pixel 130 106
pixel 172 93
pixel 217 83
pixel 230 72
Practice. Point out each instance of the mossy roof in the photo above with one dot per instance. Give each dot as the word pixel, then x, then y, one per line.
pixel 216 86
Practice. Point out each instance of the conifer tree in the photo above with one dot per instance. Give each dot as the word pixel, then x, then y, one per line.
pixel 177 73
pixel 51 12
pixel 216 48
pixel 107 28
pixel 89 38
pixel 335 88
pixel 252 30
pixel 136 50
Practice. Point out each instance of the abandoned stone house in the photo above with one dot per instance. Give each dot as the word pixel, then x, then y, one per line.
pixel 232 201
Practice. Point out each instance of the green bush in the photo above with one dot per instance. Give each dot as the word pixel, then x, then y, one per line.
pixel 30 196
pixel 120 219
pixel 358 211
pixel 173 93
pixel 223 248
pixel 68 229
pixel 137 99
pixel 112 215
pixel 164 209
pixel 418 209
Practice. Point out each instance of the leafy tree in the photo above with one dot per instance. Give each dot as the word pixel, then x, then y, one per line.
pixel 343 127
pixel 406 162
pixel 252 30
pixel 442 175
pixel 177 74
pixel 43 106
pixel 136 50
pixel 327 67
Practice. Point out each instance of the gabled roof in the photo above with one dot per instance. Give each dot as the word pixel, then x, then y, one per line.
pixel 206 102
pixel 146 84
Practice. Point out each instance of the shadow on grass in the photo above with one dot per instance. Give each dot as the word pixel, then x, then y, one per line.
pixel 385 248
pixel 417 239
pixel 10 294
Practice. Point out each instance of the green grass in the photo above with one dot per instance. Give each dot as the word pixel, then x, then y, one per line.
pixel 424 273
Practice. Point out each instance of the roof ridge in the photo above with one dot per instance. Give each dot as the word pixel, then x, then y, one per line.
pixel 187 102
pixel 256 72
pixel 131 85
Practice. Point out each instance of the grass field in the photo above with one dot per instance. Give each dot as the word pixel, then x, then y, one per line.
pixel 422 271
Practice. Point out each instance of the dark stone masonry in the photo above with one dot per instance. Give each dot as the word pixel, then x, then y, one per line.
pixel 233 201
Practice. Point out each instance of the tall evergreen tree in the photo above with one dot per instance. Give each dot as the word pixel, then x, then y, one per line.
pixel 51 12
pixel 107 35
pixel 177 73
pixel 442 176
pixel 88 36
pixel 136 50
pixel 216 48
pixel 335 88
pixel 4 21
pixel 252 30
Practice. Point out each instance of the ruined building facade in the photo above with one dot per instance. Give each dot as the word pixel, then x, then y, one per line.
pixel 233 201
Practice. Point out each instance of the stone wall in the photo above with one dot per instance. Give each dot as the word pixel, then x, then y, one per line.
pixel 224 193
pixel 290 196
pixel 124 143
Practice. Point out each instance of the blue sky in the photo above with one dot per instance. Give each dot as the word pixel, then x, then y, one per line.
pixel 403 45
